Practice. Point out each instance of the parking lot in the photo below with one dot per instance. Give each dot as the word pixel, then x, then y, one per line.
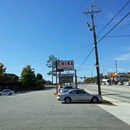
pixel 40 110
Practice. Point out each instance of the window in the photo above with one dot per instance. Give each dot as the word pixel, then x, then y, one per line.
pixel 70 87
pixel 81 92
pixel 73 92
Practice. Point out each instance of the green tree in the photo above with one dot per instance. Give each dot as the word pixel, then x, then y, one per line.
pixel 40 82
pixel 28 77
pixel 3 77
pixel 90 80
pixel 51 63
pixel 2 69
pixel 39 76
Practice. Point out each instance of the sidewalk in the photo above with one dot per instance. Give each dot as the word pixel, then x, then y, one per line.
pixel 119 109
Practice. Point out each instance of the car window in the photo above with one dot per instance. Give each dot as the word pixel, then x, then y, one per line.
pixel 73 92
pixel 5 90
pixel 81 92
pixel 68 87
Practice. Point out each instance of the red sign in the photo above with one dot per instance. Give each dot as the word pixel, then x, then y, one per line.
pixel 65 65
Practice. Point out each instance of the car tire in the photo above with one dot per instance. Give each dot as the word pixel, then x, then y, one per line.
pixel 67 100
pixel 10 94
pixel 95 100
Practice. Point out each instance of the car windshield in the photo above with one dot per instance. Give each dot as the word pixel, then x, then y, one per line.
pixel 6 90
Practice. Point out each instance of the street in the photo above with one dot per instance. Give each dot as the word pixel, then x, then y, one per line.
pixel 40 110
pixel 116 94
pixel 119 92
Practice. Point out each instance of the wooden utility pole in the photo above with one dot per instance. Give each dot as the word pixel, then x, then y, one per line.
pixel 116 66
pixel 92 12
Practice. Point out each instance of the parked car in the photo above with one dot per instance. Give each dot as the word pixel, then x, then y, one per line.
pixel 78 95
pixel 7 92
pixel 65 89
pixel 106 82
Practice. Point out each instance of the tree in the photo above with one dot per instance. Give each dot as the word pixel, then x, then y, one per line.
pixel 3 77
pixel 90 80
pixel 51 63
pixel 2 69
pixel 39 77
pixel 40 82
pixel 28 77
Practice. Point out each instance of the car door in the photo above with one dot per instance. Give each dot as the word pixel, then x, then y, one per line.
pixel 5 92
pixel 84 96
pixel 74 95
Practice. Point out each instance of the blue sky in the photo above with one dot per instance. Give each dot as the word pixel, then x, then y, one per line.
pixel 32 30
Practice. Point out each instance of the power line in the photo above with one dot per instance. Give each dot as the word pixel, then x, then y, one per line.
pixel 120 36
pixel 106 7
pixel 86 59
pixel 107 32
pixel 74 49
pixel 102 39
pixel 114 16
pixel 113 28
pixel 121 28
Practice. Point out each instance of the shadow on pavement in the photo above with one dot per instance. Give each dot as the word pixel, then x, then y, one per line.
pixel 106 102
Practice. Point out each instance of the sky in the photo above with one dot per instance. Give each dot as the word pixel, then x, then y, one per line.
pixel 32 30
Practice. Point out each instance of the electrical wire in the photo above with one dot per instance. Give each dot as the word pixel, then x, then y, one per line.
pixel 101 40
pixel 108 4
pixel 107 32
pixel 86 59
pixel 72 50
pixel 121 28
pixel 114 17
pixel 119 36
pixel 113 28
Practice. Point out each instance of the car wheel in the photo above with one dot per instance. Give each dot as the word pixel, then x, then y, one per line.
pixel 95 100
pixel 10 94
pixel 67 100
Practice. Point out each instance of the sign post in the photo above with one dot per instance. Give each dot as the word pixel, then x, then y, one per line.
pixel 65 65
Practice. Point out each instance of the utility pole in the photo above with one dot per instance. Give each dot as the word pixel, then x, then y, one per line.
pixel 76 84
pixel 92 12
pixel 116 66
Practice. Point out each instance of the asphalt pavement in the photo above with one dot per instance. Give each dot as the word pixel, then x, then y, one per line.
pixel 120 107
pixel 41 111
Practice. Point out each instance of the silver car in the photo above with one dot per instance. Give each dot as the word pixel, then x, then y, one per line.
pixel 78 95
pixel 65 89
pixel 7 92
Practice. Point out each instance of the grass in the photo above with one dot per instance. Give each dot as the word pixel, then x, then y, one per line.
pixel 106 102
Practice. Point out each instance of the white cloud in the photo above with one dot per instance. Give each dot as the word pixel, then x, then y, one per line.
pixel 124 57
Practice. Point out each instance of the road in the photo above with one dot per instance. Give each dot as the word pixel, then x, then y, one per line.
pixel 40 110
pixel 119 92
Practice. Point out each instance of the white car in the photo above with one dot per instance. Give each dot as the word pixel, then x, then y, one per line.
pixel 78 95
pixel 7 92
pixel 65 89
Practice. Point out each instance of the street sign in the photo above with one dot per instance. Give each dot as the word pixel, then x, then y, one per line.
pixel 66 75
pixel 65 80
pixel 65 65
